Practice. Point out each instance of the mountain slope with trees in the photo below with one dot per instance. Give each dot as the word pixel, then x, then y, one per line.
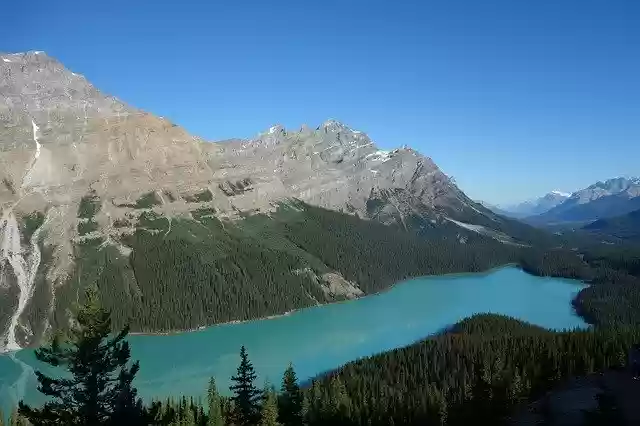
pixel 625 227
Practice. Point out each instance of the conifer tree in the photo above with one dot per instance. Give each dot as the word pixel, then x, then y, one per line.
pixel 188 418
pixel 269 414
pixel 246 395
pixel 215 417
pixel 291 399
pixel 98 390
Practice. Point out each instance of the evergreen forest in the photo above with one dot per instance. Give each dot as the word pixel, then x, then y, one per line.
pixel 185 273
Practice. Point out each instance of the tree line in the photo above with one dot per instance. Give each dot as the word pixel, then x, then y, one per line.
pixel 186 273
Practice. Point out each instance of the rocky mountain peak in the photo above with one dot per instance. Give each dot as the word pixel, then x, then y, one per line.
pixel 332 125
pixel 615 186
pixel 35 86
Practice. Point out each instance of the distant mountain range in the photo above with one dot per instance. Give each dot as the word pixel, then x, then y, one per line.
pixel 608 199
pixel 613 197
pixel 534 207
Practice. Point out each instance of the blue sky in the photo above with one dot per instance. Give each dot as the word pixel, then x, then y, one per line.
pixel 512 98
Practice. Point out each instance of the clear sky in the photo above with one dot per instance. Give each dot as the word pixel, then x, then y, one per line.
pixel 512 98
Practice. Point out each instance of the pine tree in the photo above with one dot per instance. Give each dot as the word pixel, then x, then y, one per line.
pixel 269 414
pixel 188 419
pixel 291 399
pixel 338 404
pixel 98 390
pixel 215 406
pixel 246 395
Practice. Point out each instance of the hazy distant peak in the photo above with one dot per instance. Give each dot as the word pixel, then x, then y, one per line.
pixel 537 205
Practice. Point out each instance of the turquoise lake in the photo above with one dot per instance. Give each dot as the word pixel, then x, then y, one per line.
pixel 322 338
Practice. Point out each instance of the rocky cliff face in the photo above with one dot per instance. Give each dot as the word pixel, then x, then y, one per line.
pixel 77 164
pixel 331 166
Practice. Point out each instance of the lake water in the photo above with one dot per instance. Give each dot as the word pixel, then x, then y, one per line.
pixel 322 338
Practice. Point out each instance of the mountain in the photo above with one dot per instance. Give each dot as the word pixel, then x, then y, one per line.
pixel 536 206
pixel 626 227
pixel 177 232
pixel 610 198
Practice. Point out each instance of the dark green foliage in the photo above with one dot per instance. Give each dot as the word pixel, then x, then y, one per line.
pixel 375 255
pixel 269 410
pixel 184 273
pixel 290 400
pixel 30 223
pixel 199 197
pixel 148 200
pixel 9 294
pixel 614 297
pixel 203 212
pixel 246 396
pixel 89 206
pixel 180 412
pixel 626 227
pixel 87 227
pixel 108 269
pixel 9 185
pixel 476 373
pixel 97 390
pixel 121 223
pixel 235 188
pixel 206 272
pixel 215 416
pixel 151 220
pixel 169 195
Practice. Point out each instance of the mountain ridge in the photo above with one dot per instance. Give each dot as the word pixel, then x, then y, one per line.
pixel 603 199
pixel 533 206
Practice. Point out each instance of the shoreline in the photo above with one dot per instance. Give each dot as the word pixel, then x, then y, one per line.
pixel 292 311
pixel 204 327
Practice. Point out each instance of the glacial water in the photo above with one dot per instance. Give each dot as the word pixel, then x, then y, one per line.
pixel 322 338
